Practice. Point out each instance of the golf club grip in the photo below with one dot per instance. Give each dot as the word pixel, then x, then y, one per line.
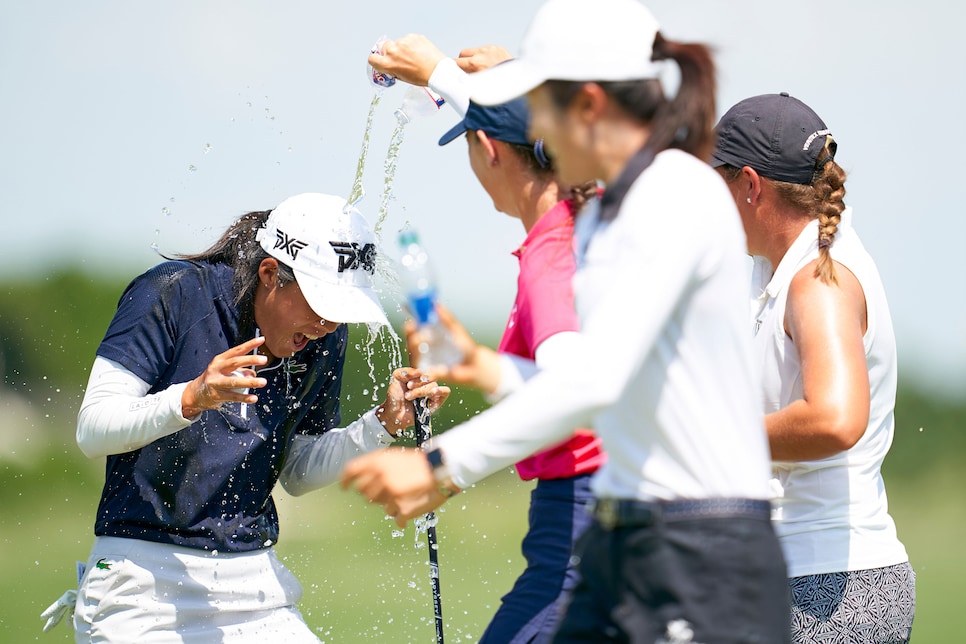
pixel 422 420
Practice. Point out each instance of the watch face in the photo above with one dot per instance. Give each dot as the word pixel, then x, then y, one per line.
pixel 435 458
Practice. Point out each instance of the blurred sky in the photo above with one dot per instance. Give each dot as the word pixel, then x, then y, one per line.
pixel 125 125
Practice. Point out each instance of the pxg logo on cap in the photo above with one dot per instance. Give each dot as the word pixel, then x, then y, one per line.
pixel 289 245
pixel 352 255
pixel 332 251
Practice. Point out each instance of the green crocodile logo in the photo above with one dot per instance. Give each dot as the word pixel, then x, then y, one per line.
pixel 101 565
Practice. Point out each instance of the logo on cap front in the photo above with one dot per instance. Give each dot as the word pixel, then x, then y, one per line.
pixel 352 256
pixel 290 245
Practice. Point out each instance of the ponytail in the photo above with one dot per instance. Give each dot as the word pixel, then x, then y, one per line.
pixel 237 248
pixel 829 185
pixel 685 122
pixel 824 197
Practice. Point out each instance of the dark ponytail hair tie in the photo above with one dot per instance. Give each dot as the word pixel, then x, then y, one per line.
pixel 824 242
pixel 540 155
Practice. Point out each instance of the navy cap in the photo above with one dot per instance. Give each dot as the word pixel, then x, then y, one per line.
pixel 506 122
pixel 777 135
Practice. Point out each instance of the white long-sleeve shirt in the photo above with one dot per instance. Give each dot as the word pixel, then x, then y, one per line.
pixel 663 368
pixel 117 415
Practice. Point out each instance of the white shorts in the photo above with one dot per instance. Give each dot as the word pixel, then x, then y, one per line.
pixel 146 592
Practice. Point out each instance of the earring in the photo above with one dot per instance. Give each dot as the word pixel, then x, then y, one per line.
pixel 748 199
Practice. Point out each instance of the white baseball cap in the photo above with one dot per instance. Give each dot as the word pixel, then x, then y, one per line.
pixel 576 40
pixel 332 251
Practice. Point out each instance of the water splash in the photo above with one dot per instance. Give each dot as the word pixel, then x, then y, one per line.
pixel 389 170
pixel 358 192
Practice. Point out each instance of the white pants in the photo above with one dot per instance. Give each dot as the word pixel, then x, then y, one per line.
pixel 146 593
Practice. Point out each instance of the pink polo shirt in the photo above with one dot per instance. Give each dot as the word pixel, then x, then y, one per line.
pixel 544 306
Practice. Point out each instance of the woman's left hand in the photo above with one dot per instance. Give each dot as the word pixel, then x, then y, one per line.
pixel 407 385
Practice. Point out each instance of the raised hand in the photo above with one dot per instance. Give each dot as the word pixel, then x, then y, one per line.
pixel 226 379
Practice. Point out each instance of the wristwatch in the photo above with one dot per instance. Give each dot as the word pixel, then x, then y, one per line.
pixel 444 483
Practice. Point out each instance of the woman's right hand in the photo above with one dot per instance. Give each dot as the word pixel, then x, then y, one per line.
pixel 218 384
pixel 480 367
pixel 411 59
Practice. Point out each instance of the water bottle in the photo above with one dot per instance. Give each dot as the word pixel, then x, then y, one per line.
pixel 418 102
pixel 419 285
pixel 379 79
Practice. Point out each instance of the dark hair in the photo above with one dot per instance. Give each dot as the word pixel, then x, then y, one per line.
pixel 579 195
pixel 824 198
pixel 685 122
pixel 238 248
pixel 527 154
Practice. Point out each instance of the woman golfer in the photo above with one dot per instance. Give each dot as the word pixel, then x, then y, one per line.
pixel 681 548
pixel 219 375
pixel 824 340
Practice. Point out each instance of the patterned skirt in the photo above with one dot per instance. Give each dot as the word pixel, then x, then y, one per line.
pixel 874 606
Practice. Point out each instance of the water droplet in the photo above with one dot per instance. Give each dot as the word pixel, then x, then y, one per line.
pixel 166 211
pixel 207 148
pixel 192 168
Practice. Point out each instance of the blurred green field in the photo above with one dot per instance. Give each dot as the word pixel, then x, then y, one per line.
pixel 362 582
pixel 364 579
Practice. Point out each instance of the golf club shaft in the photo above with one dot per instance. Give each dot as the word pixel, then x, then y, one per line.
pixel 424 430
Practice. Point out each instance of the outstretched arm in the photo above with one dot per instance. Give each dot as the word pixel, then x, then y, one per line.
pixel 414 59
pixel 315 460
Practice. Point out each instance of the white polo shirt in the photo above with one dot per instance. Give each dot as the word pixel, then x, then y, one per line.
pixel 831 515
pixel 663 367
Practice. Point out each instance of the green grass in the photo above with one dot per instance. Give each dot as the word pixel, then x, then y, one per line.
pixel 362 583
pixel 931 520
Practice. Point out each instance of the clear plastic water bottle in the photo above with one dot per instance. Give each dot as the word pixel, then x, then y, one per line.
pixel 418 102
pixel 418 281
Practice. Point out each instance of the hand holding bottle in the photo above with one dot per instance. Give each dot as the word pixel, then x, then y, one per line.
pixel 435 348
pixel 479 367
pixel 410 59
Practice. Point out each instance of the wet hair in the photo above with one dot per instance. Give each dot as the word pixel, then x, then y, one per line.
pixel 238 248
pixel 685 122
pixel 823 198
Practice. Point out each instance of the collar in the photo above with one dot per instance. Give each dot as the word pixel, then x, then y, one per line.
pixel 560 214
pixel 804 247
pixel 610 202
